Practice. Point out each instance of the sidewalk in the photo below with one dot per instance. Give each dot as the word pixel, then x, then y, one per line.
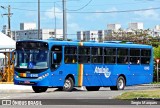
pixel 14 87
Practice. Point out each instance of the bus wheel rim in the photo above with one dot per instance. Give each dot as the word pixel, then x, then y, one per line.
pixel 120 83
pixel 67 84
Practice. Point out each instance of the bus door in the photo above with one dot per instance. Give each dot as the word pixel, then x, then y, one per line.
pixel 56 58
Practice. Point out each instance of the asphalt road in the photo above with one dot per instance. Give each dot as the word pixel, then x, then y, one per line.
pixel 53 93
pixel 77 95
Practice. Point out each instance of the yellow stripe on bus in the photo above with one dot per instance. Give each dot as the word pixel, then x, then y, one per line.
pixel 81 44
pixel 80 77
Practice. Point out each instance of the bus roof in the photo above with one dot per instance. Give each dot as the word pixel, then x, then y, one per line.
pixel 95 44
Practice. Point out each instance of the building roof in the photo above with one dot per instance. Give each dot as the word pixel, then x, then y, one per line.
pixel 6 42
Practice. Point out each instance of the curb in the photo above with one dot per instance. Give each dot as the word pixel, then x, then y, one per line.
pixel 6 83
pixel 152 85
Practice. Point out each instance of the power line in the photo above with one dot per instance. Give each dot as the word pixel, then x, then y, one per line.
pixel 81 7
pixel 41 2
pixel 121 11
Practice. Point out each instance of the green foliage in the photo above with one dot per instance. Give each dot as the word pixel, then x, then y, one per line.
pixel 157 52
pixel 140 94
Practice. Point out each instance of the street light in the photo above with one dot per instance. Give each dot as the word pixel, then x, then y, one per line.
pixel 38 19
pixel 64 20
pixel 55 21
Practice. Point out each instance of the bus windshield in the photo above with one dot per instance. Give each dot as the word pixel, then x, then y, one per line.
pixel 31 59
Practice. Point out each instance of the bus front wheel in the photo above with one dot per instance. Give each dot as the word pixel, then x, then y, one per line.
pixel 68 84
pixel 39 89
pixel 120 84
pixel 93 88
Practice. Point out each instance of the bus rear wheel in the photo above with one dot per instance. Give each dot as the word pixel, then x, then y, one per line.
pixel 93 88
pixel 39 89
pixel 120 84
pixel 68 84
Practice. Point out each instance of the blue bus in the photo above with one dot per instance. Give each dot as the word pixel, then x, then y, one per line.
pixel 65 65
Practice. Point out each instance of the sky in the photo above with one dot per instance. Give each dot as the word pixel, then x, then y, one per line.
pixel 82 15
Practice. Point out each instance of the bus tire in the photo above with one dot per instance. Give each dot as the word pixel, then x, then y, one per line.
pixel 120 84
pixel 68 84
pixel 39 89
pixel 93 88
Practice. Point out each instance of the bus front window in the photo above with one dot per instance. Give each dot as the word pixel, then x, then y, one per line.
pixel 32 59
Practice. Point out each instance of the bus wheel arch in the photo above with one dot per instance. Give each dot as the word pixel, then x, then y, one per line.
pixel 120 83
pixel 69 83
pixel 124 78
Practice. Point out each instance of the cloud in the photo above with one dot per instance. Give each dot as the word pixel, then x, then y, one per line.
pixel 112 10
pixel 50 13
pixel 149 14
pixel 107 10
pixel 101 16
pixel 73 28
pixel 58 13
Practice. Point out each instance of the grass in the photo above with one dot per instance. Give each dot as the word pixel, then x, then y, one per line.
pixel 140 94
pixel 155 83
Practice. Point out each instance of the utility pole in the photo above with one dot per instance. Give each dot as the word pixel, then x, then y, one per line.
pixel 9 20
pixel 38 19
pixel 55 32
pixel 64 20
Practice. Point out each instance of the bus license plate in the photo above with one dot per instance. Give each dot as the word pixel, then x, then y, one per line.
pixel 27 82
pixel 33 75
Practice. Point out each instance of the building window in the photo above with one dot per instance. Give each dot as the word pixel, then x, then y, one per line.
pixel 51 33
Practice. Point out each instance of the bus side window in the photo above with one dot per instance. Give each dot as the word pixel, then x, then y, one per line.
pixel 70 56
pixel 135 56
pixel 145 56
pixel 84 54
pixel 109 55
pixel 97 55
pixel 122 56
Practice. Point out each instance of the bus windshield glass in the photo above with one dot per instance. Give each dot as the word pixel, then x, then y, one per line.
pixel 31 59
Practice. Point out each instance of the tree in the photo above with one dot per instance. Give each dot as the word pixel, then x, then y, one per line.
pixel 157 52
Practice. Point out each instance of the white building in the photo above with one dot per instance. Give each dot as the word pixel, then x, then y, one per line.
pixel 28 31
pixel 80 35
pixel 113 26
pixel 105 35
pixel 136 26
pixel 157 27
pixel 155 33
pixel 27 26
pixel 87 35
pixel 33 34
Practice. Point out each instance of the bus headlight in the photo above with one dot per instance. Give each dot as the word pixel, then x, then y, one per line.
pixel 16 76
pixel 43 76
pixel 39 78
